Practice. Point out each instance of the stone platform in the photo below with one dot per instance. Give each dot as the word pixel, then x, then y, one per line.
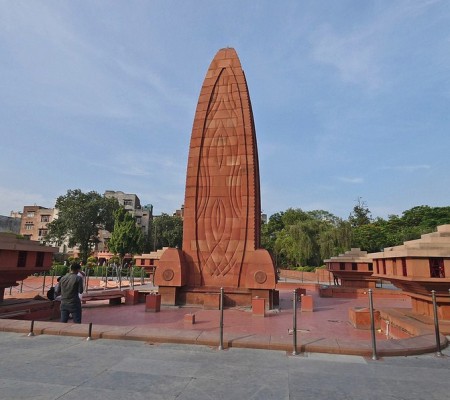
pixel 326 330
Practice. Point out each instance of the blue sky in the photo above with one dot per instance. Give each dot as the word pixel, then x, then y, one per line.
pixel 350 99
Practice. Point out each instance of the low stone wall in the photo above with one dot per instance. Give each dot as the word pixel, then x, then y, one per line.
pixel 320 275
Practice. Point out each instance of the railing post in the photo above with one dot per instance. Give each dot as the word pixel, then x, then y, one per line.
pixel 221 320
pixel 43 283
pixel 31 329
pixel 372 327
pixel 21 286
pixel 294 325
pixel 53 276
pixel 87 280
pixel 436 324
pixel 132 277
pixel 90 332
pixel 142 276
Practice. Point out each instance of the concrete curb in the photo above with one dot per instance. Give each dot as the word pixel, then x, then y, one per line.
pixel 425 343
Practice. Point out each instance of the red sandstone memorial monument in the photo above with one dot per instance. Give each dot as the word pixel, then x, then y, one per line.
pixel 222 214
pixel 20 258
pixel 354 268
pixel 418 267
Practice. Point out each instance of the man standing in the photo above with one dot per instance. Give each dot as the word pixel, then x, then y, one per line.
pixel 70 286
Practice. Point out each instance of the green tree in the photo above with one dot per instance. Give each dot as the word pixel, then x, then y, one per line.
pixel 126 238
pixel 361 214
pixel 370 237
pixel 80 217
pixel 297 237
pixel 167 231
pixel 269 233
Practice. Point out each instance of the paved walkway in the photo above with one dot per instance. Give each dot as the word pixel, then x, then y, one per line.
pixel 69 368
pixel 326 330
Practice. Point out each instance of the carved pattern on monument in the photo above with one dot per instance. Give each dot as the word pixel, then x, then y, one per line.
pixel 260 277
pixel 168 274
pixel 220 167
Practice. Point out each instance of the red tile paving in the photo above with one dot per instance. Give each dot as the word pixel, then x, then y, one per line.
pixel 326 329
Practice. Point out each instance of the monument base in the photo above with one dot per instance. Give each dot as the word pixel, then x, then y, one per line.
pixel 168 295
pixel 209 297
pixel 423 305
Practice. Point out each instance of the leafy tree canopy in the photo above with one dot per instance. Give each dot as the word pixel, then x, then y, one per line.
pixel 296 237
pixel 361 214
pixel 127 237
pixel 167 231
pixel 80 217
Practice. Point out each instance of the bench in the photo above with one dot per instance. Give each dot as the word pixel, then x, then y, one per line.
pixel 13 314
pixel 114 298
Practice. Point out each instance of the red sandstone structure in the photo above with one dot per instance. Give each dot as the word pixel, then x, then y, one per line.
pixel 418 267
pixel 354 268
pixel 222 213
pixel 20 258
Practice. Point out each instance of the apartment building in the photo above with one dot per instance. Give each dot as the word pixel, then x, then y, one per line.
pixel 132 204
pixel 35 220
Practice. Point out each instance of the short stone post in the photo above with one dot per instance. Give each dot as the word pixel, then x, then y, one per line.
pixel 153 303
pixel 258 307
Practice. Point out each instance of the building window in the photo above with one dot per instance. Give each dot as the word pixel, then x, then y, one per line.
pixel 142 261
pixel 342 266
pixel 30 214
pixel 42 232
pixel 29 226
pixel 138 220
pixel 370 266
pixel 354 267
pixel 45 218
pixel 404 270
pixel 128 202
pixel 437 268
pixel 22 259
pixel 40 259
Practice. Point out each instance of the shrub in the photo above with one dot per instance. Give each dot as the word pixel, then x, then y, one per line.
pixel 306 269
pixel 59 270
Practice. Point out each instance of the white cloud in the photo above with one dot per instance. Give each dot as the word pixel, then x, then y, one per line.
pixel 359 55
pixel 134 164
pixel 15 200
pixel 351 180
pixel 354 55
pixel 407 168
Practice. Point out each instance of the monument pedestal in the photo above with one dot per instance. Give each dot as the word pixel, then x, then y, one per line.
pixel 153 303
pixel 258 307
pixel 307 302
pixel 131 297
pixel 168 295
pixel 360 318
